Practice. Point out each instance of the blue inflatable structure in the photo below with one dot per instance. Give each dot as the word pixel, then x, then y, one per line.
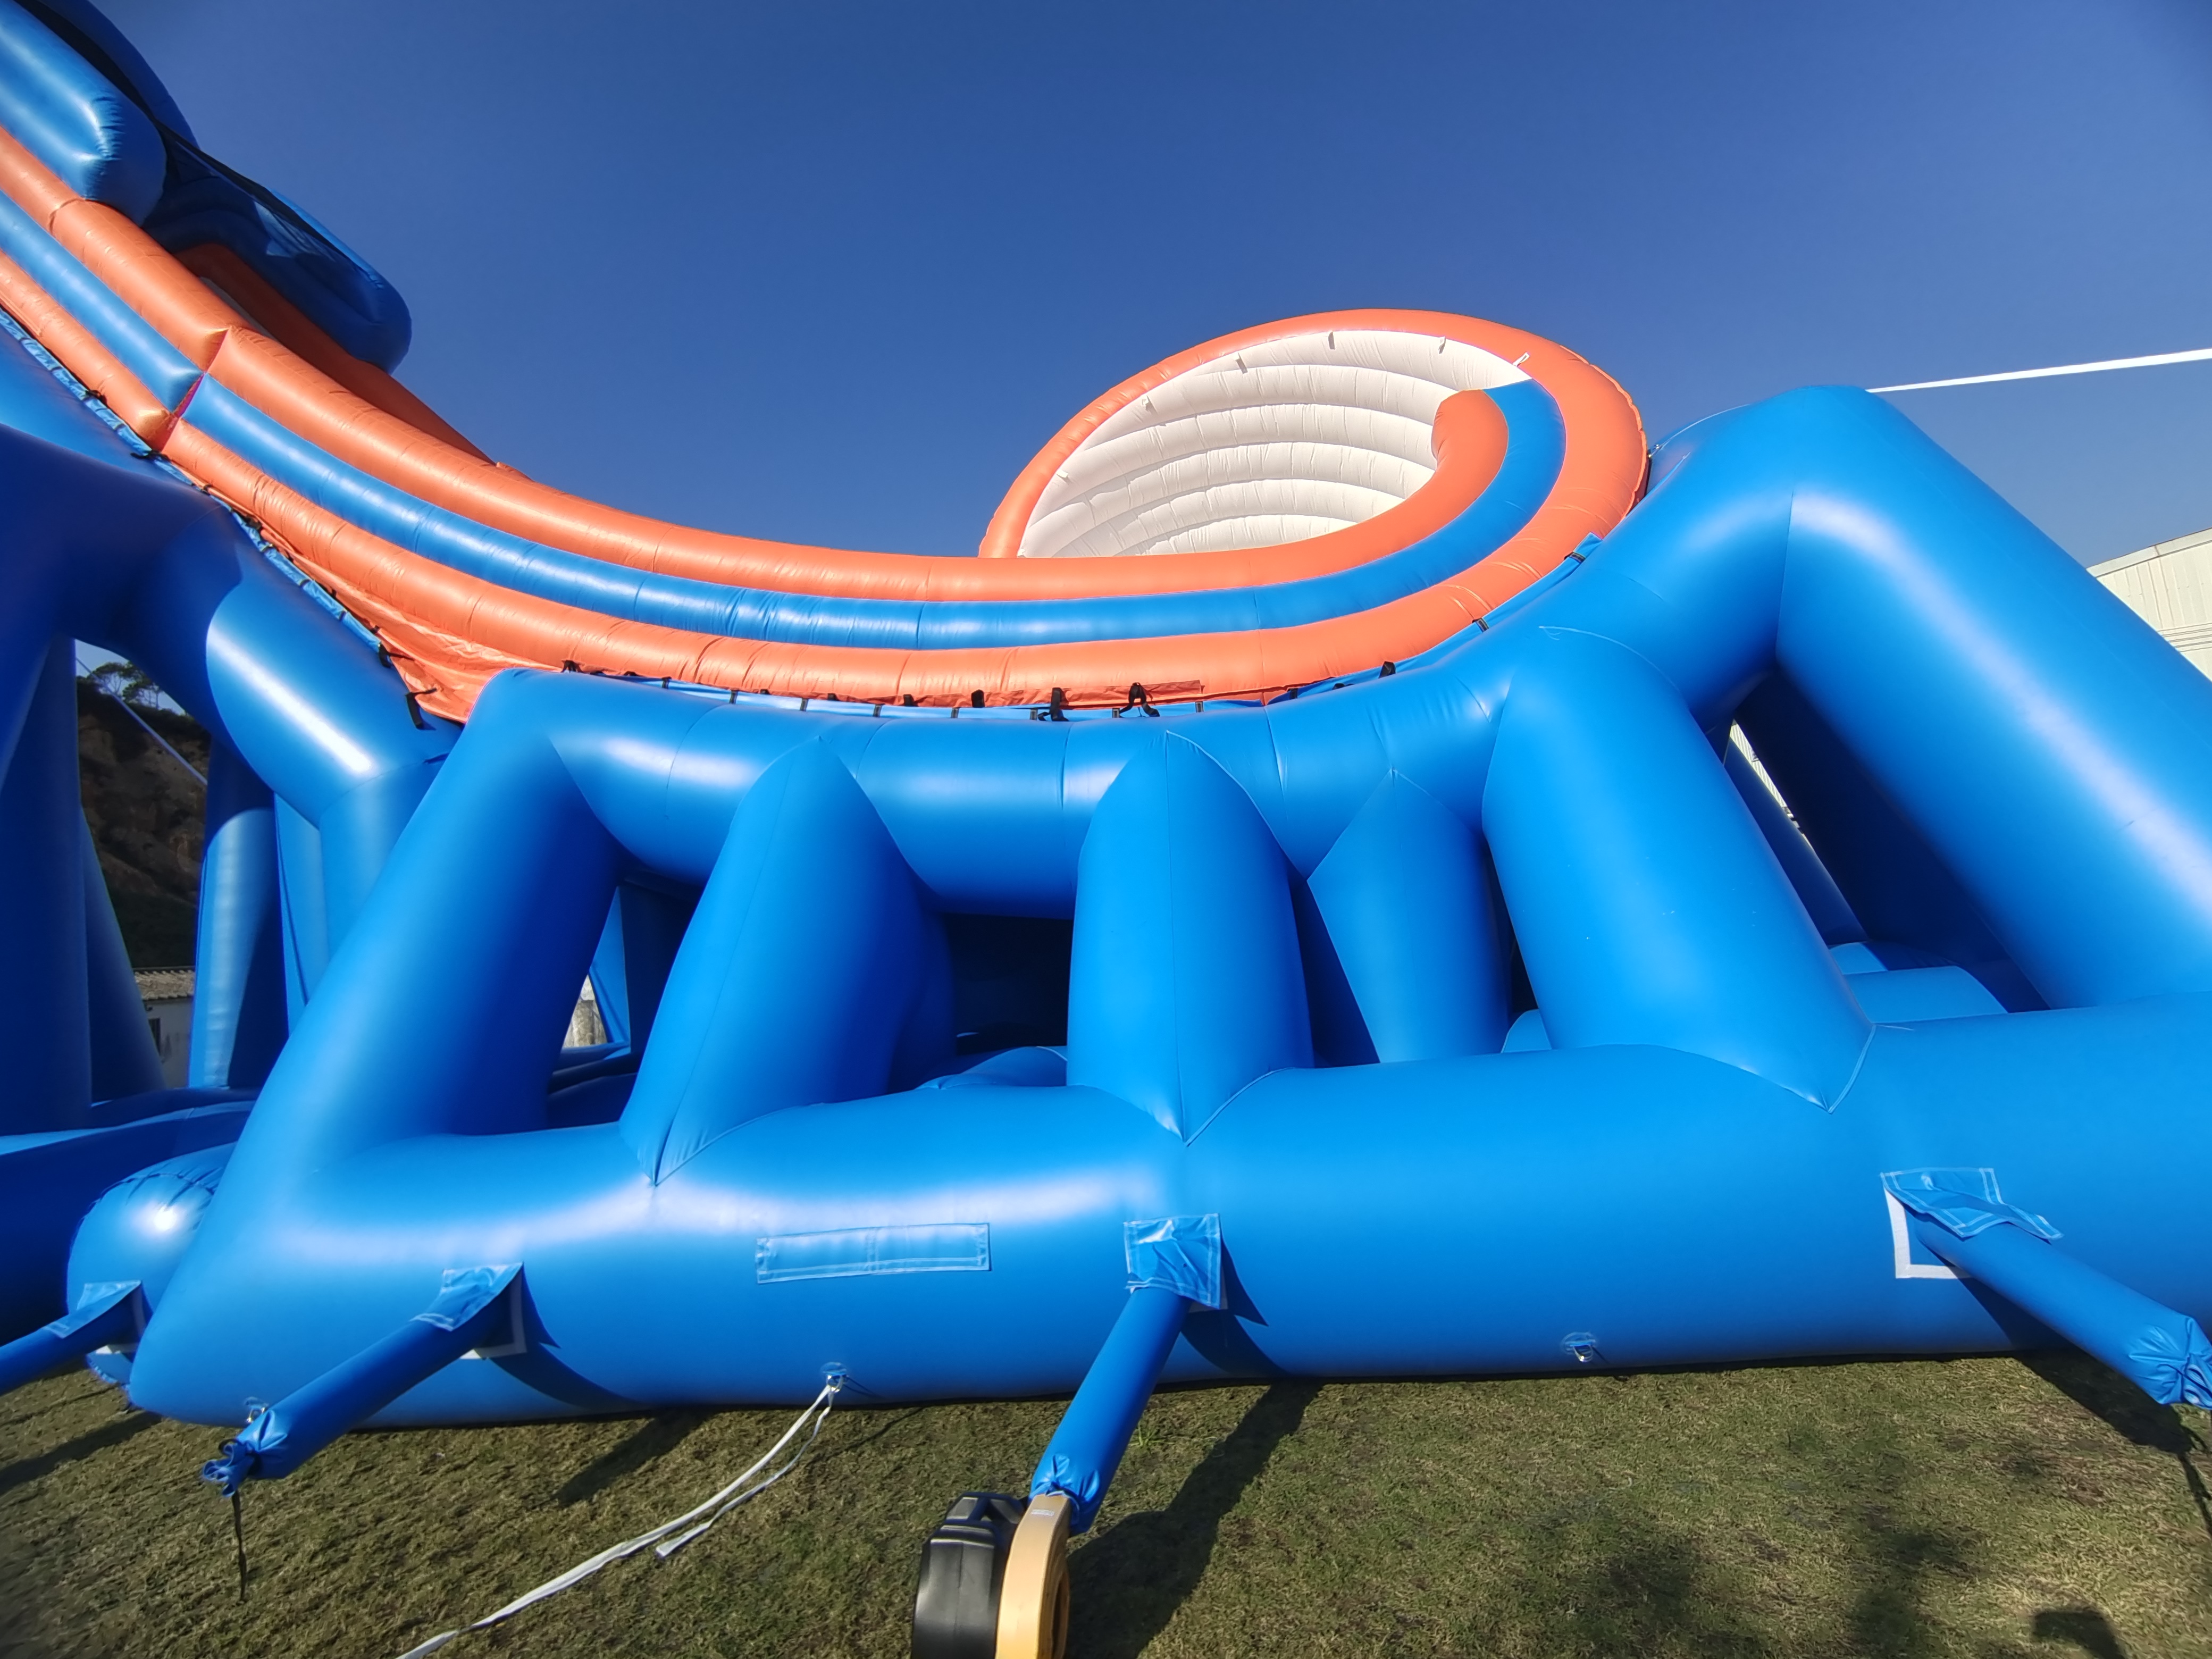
pixel 1780 926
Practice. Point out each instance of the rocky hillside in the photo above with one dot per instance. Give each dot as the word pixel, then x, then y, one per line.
pixel 144 810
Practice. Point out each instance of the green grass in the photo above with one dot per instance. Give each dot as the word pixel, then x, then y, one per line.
pixel 1991 1508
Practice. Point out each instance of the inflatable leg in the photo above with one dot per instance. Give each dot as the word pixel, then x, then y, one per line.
pixel 1184 983
pixel 42 921
pixel 1077 1467
pixel 1817 891
pixel 307 926
pixel 994 1573
pixel 106 1313
pixel 470 1305
pixel 1406 899
pixel 630 968
pixel 1958 1215
pixel 1647 904
pixel 237 1004
pixel 124 1059
pixel 794 981
pixel 1087 1447
pixel 2162 1352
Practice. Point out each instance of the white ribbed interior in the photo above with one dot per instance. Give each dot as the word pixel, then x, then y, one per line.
pixel 1271 444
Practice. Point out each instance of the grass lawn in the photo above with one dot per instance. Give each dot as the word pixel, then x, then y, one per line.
pixel 1981 1507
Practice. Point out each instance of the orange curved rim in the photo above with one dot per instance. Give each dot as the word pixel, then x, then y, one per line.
pixel 450 632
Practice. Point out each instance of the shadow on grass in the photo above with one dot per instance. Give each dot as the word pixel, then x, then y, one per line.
pixel 25 1470
pixel 1602 1574
pixel 2102 1392
pixel 61 1404
pixel 1127 1584
pixel 650 1441
pixel 1651 1595
pixel 2085 1627
pixel 1899 1558
pixel 852 1443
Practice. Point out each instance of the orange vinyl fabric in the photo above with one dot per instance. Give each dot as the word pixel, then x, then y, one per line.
pixel 449 632
pixel 75 348
pixel 264 309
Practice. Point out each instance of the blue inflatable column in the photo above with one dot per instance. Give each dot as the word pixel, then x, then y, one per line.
pixel 42 912
pixel 305 703
pixel 2055 753
pixel 637 951
pixel 358 832
pixel 125 1061
pixel 1884 868
pixel 1648 908
pixel 1184 979
pixel 1823 901
pixel 1406 896
pixel 810 971
pixel 238 1007
pixel 306 920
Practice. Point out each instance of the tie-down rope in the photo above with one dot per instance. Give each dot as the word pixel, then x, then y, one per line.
pixel 685 1528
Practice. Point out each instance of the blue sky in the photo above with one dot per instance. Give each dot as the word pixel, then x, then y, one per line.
pixel 833 272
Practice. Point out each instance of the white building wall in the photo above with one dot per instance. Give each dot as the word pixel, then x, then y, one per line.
pixel 2170 588
pixel 167 993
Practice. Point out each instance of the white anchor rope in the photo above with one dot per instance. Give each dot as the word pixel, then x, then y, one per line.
pixel 2155 361
pixel 685 1528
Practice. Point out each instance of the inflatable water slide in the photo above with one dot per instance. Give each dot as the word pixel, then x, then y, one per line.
pixel 1366 873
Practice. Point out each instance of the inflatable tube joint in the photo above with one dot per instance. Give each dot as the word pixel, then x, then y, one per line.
pixel 471 1303
pixel 105 1313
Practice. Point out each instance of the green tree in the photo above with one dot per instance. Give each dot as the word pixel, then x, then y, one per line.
pixel 126 682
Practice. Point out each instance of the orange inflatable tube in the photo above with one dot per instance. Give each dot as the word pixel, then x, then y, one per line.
pixel 450 631
pixel 355 431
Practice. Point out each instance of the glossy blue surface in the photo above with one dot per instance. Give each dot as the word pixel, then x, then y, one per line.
pixel 1262 965
pixel 107 547
pixel 1546 793
pixel 93 137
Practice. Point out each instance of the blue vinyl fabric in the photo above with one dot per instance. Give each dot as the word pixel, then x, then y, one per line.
pixel 147 1220
pixel 1178 1253
pixel 107 546
pixel 1086 1449
pixel 276 1441
pixel 124 1060
pixel 50 1181
pixel 89 134
pixel 1551 782
pixel 206 202
pixel 104 1313
pixel 77 93
pixel 80 26
pixel 1410 1025
pixel 2015 1254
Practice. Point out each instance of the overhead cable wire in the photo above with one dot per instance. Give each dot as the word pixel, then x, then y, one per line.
pixel 2155 361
